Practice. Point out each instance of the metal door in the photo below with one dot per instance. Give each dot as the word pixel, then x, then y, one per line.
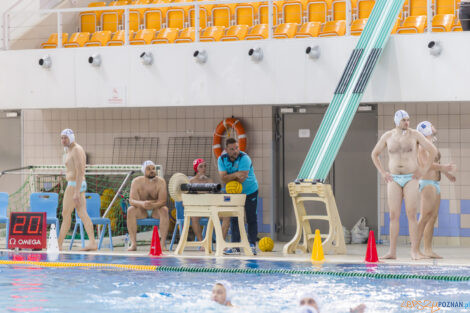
pixel 353 176
pixel 10 151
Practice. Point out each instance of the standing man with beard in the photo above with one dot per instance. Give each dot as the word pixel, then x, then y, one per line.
pixel 236 165
pixel 147 199
pixel 402 145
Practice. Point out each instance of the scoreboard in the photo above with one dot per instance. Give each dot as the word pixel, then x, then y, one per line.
pixel 27 230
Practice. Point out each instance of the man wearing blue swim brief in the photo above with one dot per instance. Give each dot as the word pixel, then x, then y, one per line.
pixel 429 187
pixel 402 178
pixel 74 196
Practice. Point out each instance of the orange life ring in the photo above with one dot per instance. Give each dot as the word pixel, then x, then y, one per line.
pixel 225 126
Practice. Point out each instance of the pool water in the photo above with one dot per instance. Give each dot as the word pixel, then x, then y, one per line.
pixel 34 289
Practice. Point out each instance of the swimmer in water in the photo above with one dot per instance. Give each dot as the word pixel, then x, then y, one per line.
pixel 221 293
pixel 309 304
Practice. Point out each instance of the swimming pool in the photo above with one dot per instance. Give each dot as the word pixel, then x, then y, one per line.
pixel 72 289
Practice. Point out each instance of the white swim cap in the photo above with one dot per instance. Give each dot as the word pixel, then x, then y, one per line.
pixel 69 133
pixel 228 289
pixel 425 128
pixel 399 115
pixel 145 164
pixel 310 295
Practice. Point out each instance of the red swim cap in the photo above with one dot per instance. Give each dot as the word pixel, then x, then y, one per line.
pixel 196 163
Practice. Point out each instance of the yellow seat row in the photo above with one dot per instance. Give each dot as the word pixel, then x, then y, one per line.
pixel 412 24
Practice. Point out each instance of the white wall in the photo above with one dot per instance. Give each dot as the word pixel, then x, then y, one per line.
pixel 405 73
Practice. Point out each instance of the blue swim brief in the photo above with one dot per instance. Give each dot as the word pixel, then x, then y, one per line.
pixel 423 183
pixel 74 183
pixel 402 180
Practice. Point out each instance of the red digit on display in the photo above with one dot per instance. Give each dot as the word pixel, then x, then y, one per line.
pixel 21 225
pixel 35 231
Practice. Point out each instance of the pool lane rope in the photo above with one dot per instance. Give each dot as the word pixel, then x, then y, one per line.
pixel 238 270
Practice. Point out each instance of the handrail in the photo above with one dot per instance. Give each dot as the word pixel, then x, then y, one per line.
pixel 6 22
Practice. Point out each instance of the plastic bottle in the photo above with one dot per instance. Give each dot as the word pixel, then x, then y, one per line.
pixel 126 241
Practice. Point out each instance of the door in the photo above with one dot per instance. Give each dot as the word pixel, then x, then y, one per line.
pixel 353 176
pixel 10 152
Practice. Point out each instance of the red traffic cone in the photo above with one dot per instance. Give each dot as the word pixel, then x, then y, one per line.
pixel 371 254
pixel 155 248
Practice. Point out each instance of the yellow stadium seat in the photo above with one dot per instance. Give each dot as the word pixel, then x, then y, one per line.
pixel 204 15
pixel 119 38
pixel 77 40
pixel 245 13
pixel 263 11
pixel 317 10
pixel 90 20
pixel 286 30
pixel 364 8
pixel 358 26
pixel 51 43
pixel 136 16
pixel 309 29
pixel 292 11
pixel 418 7
pixel 446 7
pixel 457 27
pixel 176 17
pixel 213 33
pixel 442 22
pixel 395 27
pixel 186 35
pixel 333 28
pixel 412 25
pixel 143 37
pixel 235 32
pixel 259 31
pixel 222 14
pixel 100 38
pixel 338 8
pixel 112 19
pixel 154 18
pixel 166 35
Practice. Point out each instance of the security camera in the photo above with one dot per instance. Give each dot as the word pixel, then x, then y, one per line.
pixel 146 58
pixel 95 60
pixel 256 54
pixel 313 52
pixel 45 61
pixel 434 48
pixel 200 56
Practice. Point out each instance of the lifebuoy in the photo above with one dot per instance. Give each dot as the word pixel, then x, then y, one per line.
pixel 225 126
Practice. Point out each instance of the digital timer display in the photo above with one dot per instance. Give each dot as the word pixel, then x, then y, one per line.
pixel 27 230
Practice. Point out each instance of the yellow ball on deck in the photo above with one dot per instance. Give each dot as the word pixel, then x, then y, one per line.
pixel 266 244
pixel 233 187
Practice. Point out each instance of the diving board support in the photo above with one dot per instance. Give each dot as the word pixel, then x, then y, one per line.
pixel 333 243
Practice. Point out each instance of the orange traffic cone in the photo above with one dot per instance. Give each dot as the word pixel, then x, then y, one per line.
pixel 317 249
pixel 371 254
pixel 155 248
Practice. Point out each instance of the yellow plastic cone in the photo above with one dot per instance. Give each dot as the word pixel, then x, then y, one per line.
pixel 317 250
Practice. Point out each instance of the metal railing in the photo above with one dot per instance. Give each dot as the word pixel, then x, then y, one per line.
pixel 195 4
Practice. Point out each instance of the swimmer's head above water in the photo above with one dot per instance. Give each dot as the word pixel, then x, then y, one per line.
pixel 149 169
pixel 402 120
pixel 221 293
pixel 199 165
pixel 67 137
pixel 308 303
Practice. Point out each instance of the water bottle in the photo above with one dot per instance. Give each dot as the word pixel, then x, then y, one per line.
pixel 126 241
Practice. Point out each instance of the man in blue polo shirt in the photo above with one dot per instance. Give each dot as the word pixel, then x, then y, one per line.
pixel 236 165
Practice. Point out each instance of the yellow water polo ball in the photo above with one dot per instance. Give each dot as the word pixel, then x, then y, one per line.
pixel 266 244
pixel 233 187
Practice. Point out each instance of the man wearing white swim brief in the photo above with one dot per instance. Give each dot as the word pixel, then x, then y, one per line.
pixel 402 181
pixel 430 190
pixel 74 196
